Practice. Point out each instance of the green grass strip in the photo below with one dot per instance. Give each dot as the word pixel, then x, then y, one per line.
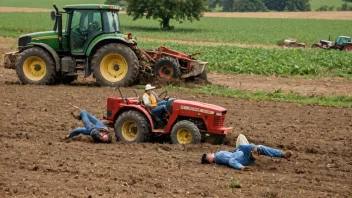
pixel 332 101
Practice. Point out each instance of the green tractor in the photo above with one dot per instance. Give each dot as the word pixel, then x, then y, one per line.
pixel 92 43
pixel 342 43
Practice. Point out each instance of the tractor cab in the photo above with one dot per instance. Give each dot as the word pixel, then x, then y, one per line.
pixel 341 41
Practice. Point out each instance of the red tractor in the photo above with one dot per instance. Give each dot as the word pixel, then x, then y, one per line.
pixel 187 122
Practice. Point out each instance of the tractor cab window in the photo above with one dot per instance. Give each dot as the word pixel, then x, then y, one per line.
pixel 111 21
pixel 84 26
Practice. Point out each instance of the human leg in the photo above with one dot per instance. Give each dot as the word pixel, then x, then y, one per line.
pixel 96 122
pixel 79 131
pixel 270 152
pixel 159 110
pixel 163 102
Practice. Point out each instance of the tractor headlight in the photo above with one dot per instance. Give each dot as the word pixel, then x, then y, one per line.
pixel 218 114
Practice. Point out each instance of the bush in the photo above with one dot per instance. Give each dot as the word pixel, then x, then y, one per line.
pixel 323 8
pixel 345 7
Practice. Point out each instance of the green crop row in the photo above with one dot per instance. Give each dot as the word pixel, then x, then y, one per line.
pixel 208 29
pixel 281 62
pixel 335 101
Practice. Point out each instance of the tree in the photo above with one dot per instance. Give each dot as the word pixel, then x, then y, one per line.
pixel 278 5
pixel 298 5
pixel 166 10
pixel 228 5
pixel 250 6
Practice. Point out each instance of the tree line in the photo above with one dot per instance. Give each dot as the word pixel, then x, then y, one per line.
pixel 260 5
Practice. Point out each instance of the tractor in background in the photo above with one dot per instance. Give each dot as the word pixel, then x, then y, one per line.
pixel 341 43
pixel 92 43
pixel 186 122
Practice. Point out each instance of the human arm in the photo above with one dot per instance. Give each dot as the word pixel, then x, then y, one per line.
pixel 235 164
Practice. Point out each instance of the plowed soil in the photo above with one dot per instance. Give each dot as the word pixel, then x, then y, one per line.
pixel 36 162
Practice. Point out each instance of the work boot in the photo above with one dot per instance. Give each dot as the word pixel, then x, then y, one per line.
pixel 67 138
pixel 286 154
pixel 76 114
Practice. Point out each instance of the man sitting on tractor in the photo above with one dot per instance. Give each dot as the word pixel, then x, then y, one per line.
pixel 150 99
pixel 245 154
pixel 98 131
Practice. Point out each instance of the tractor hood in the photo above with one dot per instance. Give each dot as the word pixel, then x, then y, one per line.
pixel 49 38
pixel 199 106
pixel 36 36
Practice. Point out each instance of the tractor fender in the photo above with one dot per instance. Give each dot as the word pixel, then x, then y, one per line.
pixel 103 40
pixel 52 53
pixel 138 108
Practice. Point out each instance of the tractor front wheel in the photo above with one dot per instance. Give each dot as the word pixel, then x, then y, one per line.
pixel 35 66
pixel 167 67
pixel 131 127
pixel 115 64
pixel 185 132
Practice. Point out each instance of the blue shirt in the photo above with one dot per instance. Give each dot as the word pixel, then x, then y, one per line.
pixel 237 158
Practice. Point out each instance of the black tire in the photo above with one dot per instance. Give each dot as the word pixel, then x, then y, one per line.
pixel 167 67
pixel 190 128
pixel 65 79
pixel 35 66
pixel 123 54
pixel 133 120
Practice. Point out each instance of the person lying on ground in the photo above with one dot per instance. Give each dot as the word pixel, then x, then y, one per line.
pixel 93 127
pixel 150 99
pixel 243 156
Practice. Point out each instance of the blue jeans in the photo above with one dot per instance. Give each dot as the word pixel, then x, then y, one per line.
pixel 160 109
pixel 270 152
pixel 87 120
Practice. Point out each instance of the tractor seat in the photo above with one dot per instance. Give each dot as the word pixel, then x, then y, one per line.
pixel 170 105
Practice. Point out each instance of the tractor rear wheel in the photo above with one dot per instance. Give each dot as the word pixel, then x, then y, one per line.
pixel 115 65
pixel 315 46
pixel 35 66
pixel 131 127
pixel 185 132
pixel 167 67
pixel 347 48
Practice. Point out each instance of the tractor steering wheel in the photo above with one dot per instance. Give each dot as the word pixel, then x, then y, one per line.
pixel 163 93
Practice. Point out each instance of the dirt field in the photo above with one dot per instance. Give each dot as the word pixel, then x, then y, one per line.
pixel 35 162
pixel 299 15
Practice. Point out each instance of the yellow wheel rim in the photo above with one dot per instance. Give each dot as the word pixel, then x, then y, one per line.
pixel 184 136
pixel 114 67
pixel 129 130
pixel 34 68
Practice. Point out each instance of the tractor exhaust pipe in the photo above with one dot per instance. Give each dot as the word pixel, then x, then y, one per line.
pixel 58 25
